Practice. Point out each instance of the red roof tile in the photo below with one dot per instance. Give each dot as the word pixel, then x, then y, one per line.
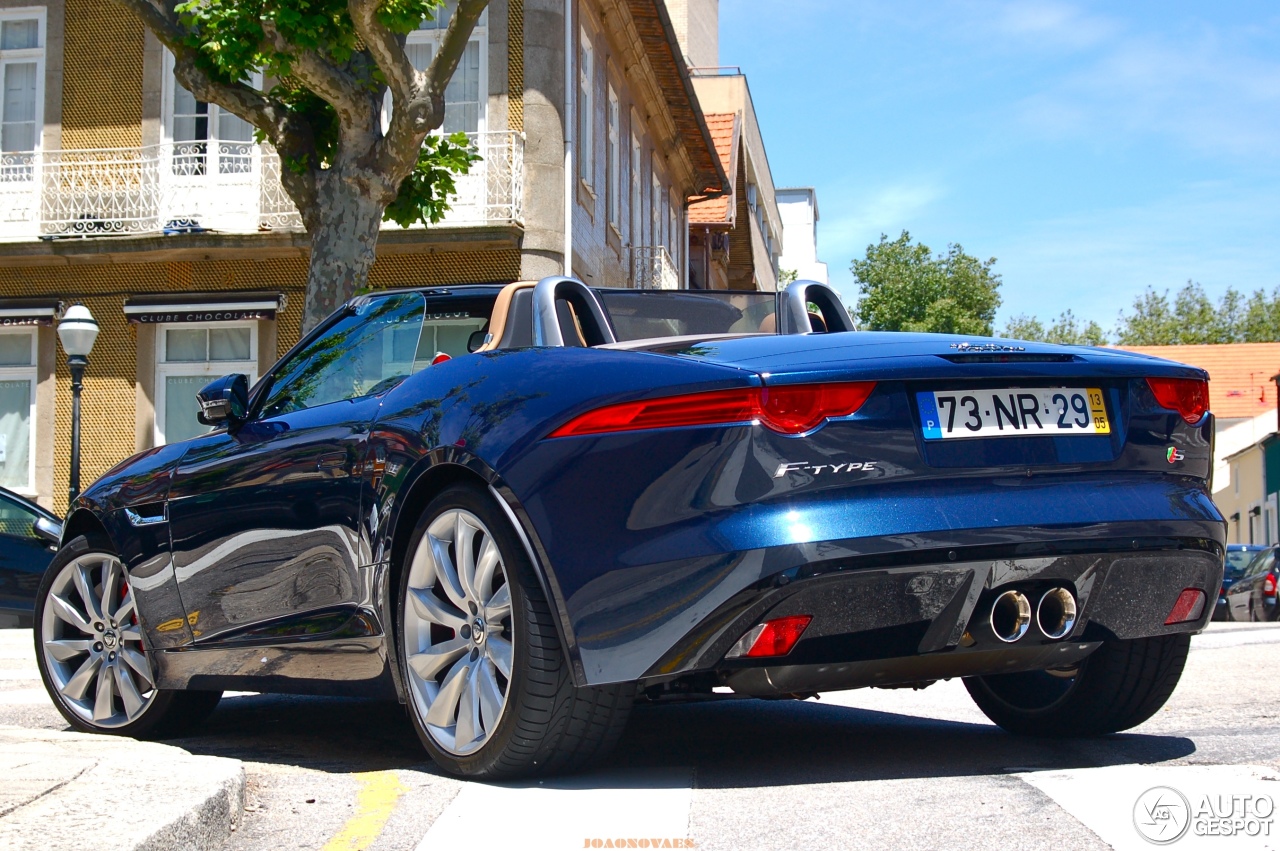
pixel 1239 374
pixel 724 133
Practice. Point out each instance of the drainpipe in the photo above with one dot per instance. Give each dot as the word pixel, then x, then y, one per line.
pixel 570 90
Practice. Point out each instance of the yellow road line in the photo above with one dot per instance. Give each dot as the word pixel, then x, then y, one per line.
pixel 379 792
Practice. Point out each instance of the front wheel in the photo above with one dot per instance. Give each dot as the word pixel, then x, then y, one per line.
pixel 91 655
pixel 1120 685
pixel 489 688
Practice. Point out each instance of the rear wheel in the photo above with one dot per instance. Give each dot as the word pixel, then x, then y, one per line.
pixel 1122 684
pixel 489 688
pixel 91 656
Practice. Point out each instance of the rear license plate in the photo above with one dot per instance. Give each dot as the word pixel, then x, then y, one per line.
pixel 1026 412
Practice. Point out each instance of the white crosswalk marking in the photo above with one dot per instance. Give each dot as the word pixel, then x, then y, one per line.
pixel 568 813
pixel 1220 807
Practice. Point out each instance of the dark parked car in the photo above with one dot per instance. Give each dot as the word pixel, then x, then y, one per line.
pixel 1252 597
pixel 28 539
pixel 1238 558
pixel 519 509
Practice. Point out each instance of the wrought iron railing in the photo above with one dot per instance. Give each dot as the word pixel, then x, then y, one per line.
pixel 193 187
pixel 653 269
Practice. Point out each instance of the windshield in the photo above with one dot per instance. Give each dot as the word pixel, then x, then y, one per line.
pixel 646 314
pixel 1238 560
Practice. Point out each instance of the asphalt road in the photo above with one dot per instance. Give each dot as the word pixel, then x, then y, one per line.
pixel 871 768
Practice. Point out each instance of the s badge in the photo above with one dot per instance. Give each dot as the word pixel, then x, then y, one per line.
pixel 1173 455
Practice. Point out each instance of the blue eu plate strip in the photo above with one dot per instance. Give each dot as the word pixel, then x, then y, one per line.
pixel 929 419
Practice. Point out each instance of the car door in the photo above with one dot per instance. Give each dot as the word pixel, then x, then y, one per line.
pixel 24 555
pixel 265 517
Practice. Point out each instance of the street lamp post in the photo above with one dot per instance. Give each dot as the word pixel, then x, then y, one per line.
pixel 77 331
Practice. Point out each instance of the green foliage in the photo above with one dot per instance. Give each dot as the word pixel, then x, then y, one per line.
pixel 424 194
pixel 905 287
pixel 787 276
pixel 232 44
pixel 1192 318
pixel 1066 330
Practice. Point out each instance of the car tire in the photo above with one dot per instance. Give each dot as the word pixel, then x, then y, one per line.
pixel 1120 685
pixel 488 685
pixel 91 651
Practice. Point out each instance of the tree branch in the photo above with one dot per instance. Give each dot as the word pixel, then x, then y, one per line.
pixel 386 48
pixel 291 134
pixel 424 112
pixel 338 88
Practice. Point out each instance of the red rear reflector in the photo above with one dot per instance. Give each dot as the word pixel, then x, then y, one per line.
pixel 771 638
pixel 789 409
pixel 1190 607
pixel 1188 396
pixel 440 357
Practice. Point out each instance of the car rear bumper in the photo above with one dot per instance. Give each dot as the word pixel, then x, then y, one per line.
pixel 893 624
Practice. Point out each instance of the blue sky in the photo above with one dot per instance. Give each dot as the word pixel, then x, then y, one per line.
pixel 1095 149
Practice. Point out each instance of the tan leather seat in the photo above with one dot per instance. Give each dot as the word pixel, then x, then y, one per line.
pixel 501 310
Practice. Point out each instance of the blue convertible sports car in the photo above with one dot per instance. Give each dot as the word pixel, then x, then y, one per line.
pixel 519 509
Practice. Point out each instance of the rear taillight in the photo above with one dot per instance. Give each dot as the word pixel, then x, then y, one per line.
pixel 771 638
pixel 1269 585
pixel 790 409
pixel 1188 607
pixel 1188 396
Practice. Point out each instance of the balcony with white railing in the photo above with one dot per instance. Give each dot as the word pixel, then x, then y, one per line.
pixel 197 187
pixel 653 269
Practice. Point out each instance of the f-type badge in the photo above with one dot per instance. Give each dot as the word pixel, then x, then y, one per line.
pixel 817 469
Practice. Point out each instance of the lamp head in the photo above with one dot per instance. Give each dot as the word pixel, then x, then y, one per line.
pixel 77 331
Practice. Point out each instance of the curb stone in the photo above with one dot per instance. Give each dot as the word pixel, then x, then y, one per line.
pixel 62 790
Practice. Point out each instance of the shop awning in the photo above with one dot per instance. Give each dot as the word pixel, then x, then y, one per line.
pixel 203 307
pixel 29 311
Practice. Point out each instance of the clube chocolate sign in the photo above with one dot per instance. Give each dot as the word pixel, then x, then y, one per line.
pixel 203 316
pixel 152 309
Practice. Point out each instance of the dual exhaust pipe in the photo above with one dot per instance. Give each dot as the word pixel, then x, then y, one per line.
pixel 1055 614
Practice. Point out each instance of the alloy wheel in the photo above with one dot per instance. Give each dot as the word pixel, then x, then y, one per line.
pixel 458 632
pixel 92 643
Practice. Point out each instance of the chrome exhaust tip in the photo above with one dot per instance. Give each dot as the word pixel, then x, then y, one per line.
pixel 1010 616
pixel 1056 613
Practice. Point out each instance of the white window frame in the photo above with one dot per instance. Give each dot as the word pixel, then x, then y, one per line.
pixel 655 208
pixel 613 180
pixel 213 155
pixel 213 369
pixel 434 36
pixel 31 373
pixel 36 54
pixel 636 236
pixel 586 107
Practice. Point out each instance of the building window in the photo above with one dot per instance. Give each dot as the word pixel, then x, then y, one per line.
pixel 467 93
pixel 637 221
pixel 613 180
pixel 206 138
pixel 586 106
pixel 190 356
pixel 22 76
pixel 655 209
pixel 17 410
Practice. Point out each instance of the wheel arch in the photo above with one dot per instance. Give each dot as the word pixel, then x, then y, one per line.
pixel 84 522
pixel 437 472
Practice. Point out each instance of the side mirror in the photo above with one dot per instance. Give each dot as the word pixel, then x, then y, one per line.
pixel 225 400
pixel 49 530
